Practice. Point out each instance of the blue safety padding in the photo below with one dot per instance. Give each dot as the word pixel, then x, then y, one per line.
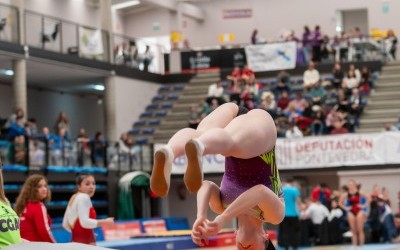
pixel 177 223
pixel 73 169
pixel 14 167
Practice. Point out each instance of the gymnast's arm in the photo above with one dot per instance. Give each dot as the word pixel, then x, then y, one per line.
pixel 208 194
pixel 272 206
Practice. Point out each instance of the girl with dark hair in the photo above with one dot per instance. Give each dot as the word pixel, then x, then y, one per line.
pixel 35 222
pixel 80 216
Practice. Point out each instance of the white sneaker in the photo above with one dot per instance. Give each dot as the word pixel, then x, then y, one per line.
pixel 348 234
pixel 161 174
pixel 193 177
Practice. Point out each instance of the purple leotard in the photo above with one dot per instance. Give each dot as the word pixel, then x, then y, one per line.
pixel 243 174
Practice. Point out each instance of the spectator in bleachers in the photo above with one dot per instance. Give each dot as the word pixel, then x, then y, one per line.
pixel 18 114
pixel 293 131
pixel 268 103
pixel 34 220
pixel 327 51
pixel 253 38
pixel 235 76
pixel 62 124
pixel 317 93
pixel 317 124
pixel 316 42
pixel 338 76
pixel 389 127
pixel 98 149
pixel 32 127
pixel 204 107
pixel 385 196
pixel 17 129
pixel 283 101
pixel 343 46
pixel 18 150
pixel 248 74
pixel 366 83
pixel 306 40
pixel 281 123
pixel 214 105
pixel 350 82
pixel 310 76
pixel 357 72
pixel 339 128
pixel 356 106
pixel 283 77
pixel 391 45
pixel 195 116
pixel 299 102
pixel 83 146
pixel 216 91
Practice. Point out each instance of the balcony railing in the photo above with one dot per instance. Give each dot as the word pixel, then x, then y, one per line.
pixel 39 153
pixel 66 37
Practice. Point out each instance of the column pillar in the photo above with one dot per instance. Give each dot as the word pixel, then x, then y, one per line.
pixel 107 25
pixel 20 4
pixel 19 85
pixel 110 108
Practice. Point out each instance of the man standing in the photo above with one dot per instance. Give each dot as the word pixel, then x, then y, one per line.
pixel 289 229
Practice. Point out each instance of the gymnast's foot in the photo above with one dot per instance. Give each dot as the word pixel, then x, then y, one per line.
pixel 161 175
pixel 194 173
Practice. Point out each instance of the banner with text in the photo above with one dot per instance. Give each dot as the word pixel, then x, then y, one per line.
pixel 319 152
pixel 268 57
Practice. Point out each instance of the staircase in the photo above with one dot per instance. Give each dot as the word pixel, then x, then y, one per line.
pixel 384 104
pixel 179 114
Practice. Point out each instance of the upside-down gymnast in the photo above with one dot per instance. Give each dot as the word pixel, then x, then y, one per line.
pixel 250 189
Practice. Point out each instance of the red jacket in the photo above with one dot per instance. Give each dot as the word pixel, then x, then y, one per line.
pixel 35 223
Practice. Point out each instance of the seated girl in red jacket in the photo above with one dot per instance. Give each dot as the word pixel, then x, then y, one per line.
pixel 34 220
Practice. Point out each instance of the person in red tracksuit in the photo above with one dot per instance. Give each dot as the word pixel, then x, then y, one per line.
pixel 34 220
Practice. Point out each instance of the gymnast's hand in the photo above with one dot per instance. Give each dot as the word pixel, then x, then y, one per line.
pixel 198 229
pixel 213 227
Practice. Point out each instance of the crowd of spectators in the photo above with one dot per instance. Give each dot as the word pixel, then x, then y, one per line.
pixel 311 105
pixel 330 217
pixel 314 45
pixel 28 144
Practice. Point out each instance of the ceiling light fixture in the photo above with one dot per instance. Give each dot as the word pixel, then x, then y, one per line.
pixel 98 87
pixel 126 4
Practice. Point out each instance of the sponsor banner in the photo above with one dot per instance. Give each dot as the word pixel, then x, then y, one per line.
pixel 331 151
pixel 319 152
pixel 199 60
pixel 90 42
pixel 268 57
